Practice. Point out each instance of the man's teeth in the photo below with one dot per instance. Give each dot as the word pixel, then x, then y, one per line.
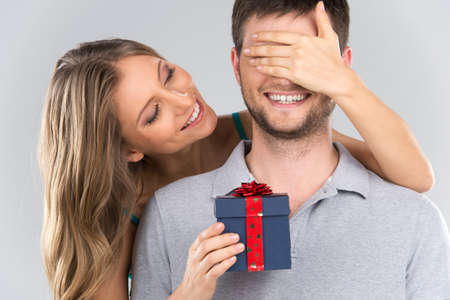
pixel 283 99
pixel 194 115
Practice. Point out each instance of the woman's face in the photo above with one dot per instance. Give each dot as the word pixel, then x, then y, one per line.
pixel 159 108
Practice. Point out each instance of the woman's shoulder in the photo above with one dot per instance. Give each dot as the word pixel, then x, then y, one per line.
pixel 234 126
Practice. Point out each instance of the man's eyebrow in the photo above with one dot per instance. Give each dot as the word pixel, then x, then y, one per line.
pixel 151 99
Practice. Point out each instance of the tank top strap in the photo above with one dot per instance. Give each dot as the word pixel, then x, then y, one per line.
pixel 238 125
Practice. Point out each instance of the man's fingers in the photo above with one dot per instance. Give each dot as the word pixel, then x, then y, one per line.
pixel 325 29
pixel 215 243
pixel 281 37
pixel 213 230
pixel 221 268
pixel 220 255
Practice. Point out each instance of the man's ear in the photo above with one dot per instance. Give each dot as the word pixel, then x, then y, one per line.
pixel 347 56
pixel 235 63
pixel 134 156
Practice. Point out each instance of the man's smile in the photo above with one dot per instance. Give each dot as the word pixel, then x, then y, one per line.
pixel 287 99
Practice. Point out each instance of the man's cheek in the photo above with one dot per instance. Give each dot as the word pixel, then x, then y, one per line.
pixel 251 75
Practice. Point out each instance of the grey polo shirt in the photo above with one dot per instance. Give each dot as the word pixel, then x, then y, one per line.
pixel 357 237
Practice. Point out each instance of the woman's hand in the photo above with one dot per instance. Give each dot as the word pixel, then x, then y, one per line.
pixel 313 62
pixel 316 64
pixel 210 256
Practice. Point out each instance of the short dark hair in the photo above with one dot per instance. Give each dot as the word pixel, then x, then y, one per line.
pixel 243 10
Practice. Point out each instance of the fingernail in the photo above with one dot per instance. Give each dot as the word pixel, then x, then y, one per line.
pixel 235 237
pixel 219 225
pixel 232 259
pixel 239 247
pixel 322 5
pixel 252 61
pixel 255 35
pixel 259 68
pixel 246 51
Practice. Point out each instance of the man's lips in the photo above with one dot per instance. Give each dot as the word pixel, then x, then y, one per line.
pixel 287 98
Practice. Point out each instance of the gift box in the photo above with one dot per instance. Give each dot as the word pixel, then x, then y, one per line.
pixel 262 221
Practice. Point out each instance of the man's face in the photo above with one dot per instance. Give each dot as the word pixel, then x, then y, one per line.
pixel 260 91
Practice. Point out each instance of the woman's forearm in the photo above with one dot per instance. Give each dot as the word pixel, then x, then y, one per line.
pixel 360 151
pixel 391 149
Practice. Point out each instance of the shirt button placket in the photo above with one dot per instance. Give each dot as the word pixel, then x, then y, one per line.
pixel 297 227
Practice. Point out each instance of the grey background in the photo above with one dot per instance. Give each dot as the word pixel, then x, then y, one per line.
pixel 400 50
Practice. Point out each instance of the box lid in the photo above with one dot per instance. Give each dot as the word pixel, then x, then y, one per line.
pixel 235 207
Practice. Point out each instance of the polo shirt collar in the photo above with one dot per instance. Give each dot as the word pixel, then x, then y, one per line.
pixel 233 172
pixel 350 175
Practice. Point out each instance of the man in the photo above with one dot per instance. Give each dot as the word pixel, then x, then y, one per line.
pixel 353 236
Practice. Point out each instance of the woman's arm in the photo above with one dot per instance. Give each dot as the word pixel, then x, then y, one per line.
pixel 390 148
pixel 317 63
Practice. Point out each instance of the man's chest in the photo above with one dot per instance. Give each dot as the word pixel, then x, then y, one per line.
pixel 337 253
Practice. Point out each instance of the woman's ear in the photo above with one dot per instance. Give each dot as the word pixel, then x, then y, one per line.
pixel 134 156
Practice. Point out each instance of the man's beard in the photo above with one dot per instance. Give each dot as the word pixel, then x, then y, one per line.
pixel 315 121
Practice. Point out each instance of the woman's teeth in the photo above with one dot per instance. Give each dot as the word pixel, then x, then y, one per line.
pixel 194 115
pixel 283 99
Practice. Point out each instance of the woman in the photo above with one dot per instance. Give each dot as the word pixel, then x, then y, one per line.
pixel 120 122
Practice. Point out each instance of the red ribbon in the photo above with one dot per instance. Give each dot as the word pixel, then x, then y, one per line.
pixel 253 203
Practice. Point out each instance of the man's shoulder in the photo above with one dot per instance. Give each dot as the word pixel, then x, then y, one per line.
pixel 192 187
pixel 384 197
pixel 389 198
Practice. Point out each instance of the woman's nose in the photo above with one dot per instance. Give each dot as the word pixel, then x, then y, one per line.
pixel 183 101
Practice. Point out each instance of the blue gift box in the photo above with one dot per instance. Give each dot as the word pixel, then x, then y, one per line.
pixel 232 212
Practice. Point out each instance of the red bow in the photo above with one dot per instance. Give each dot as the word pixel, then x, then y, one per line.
pixel 252 189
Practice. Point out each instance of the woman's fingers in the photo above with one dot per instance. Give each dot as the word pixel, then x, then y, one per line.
pixel 266 50
pixel 272 61
pixel 220 268
pixel 275 71
pixel 325 29
pixel 218 256
pixel 213 230
pixel 281 37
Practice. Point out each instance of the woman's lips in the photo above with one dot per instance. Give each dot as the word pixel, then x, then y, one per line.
pixel 198 118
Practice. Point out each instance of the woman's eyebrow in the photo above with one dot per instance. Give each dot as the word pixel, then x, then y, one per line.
pixel 159 70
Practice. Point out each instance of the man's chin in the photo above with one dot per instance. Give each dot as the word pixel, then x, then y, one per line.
pixel 292 134
pixel 292 128
pixel 284 131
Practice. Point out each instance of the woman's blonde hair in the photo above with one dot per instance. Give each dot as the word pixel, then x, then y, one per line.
pixel 90 188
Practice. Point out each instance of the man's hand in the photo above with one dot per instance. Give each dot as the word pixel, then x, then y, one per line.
pixel 314 63
pixel 210 256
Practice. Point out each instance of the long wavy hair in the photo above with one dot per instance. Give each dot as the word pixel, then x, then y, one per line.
pixel 89 187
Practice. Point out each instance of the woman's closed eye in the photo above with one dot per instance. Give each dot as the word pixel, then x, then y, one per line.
pixel 170 72
pixel 154 116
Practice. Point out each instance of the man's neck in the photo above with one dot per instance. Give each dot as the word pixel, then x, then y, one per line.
pixel 297 167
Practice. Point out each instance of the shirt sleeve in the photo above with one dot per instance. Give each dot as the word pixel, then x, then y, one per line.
pixel 151 266
pixel 428 271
